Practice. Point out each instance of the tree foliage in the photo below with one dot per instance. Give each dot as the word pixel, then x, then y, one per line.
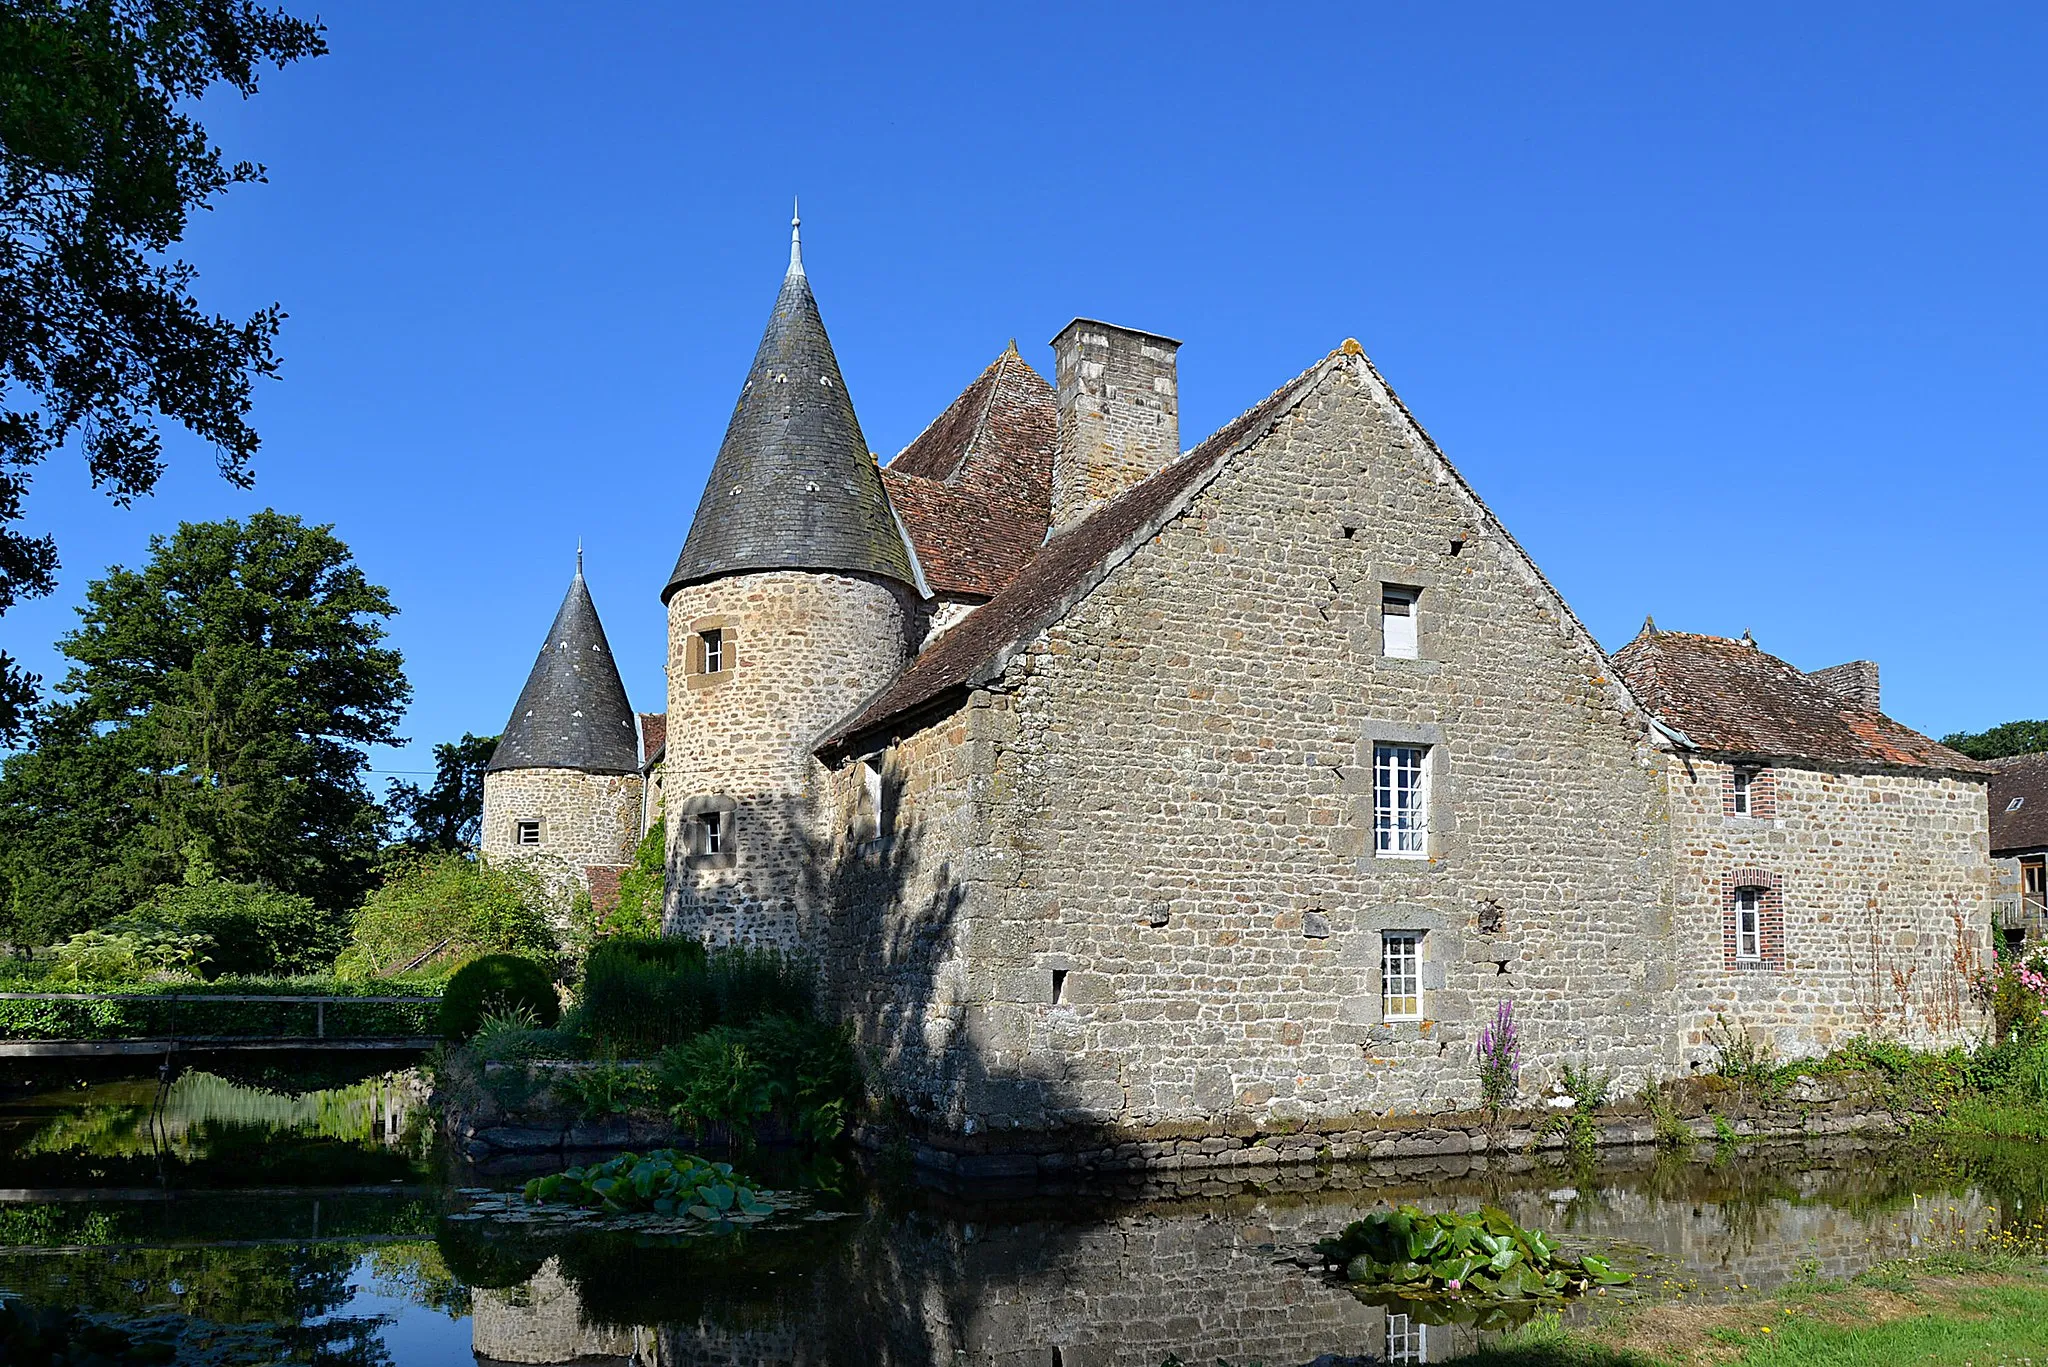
pixel 219 700
pixel 447 814
pixel 2011 738
pixel 252 930
pixel 101 166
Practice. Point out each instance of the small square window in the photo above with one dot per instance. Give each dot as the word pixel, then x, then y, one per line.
pixel 1400 801
pixel 526 833
pixel 1397 621
pixel 712 655
pixel 710 836
pixel 1401 975
pixel 1749 924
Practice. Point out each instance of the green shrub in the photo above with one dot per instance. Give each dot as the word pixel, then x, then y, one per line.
pixel 607 1088
pixel 801 1072
pixel 715 1080
pixel 446 909
pixel 253 929
pixel 497 984
pixel 641 994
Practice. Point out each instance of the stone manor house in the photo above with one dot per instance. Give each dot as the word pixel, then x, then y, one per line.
pixel 1125 789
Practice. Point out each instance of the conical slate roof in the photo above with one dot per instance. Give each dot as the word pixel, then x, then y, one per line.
pixel 573 712
pixel 794 485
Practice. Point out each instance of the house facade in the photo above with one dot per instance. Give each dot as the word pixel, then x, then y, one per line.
pixel 1124 789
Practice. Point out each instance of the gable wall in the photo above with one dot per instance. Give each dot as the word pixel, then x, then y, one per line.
pixel 1884 880
pixel 1186 748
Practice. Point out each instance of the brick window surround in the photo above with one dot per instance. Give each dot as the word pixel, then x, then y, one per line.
pixel 1770 922
pixel 1763 791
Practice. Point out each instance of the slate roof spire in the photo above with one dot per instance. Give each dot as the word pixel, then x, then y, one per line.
pixel 794 485
pixel 573 712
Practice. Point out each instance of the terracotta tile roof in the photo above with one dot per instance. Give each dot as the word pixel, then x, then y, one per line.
pixel 653 735
pixel 1732 698
pixel 2024 777
pixel 1066 569
pixel 974 489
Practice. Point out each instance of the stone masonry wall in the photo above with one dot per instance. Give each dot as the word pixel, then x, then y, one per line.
pixel 1119 422
pixel 804 648
pixel 907 902
pixel 1183 916
pixel 1884 880
pixel 586 819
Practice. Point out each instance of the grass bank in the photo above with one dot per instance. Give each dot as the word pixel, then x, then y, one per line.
pixel 1958 1309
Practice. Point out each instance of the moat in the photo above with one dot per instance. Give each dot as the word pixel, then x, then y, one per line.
pixel 246 1225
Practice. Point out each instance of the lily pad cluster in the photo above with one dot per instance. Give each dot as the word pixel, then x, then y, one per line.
pixel 1486 1255
pixel 664 1182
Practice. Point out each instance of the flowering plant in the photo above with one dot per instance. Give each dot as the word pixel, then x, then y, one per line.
pixel 1500 1058
pixel 2016 995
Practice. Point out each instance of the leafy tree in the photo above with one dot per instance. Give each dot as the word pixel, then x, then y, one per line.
pixel 449 813
pixel 2012 738
pixel 220 699
pixel 101 165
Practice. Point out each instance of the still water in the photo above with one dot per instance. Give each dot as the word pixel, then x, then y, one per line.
pixel 240 1224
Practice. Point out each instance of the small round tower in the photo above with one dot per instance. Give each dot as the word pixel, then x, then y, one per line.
pixel 792 601
pixel 562 791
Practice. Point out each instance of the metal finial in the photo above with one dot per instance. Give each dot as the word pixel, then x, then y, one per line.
pixel 579 555
pixel 796 245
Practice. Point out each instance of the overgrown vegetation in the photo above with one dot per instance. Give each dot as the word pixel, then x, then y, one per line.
pixel 664 1182
pixel 442 910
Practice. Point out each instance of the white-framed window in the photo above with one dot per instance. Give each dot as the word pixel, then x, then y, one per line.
pixel 1749 923
pixel 1740 794
pixel 1401 975
pixel 1407 1341
pixel 710 835
pixel 526 832
pixel 711 651
pixel 1400 801
pixel 1397 621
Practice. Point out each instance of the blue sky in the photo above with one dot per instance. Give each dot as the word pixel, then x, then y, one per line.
pixel 1733 317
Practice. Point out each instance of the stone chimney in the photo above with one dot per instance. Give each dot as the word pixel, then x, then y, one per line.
pixel 1119 407
pixel 1854 683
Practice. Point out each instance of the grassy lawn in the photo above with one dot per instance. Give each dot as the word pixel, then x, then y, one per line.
pixel 1953 1310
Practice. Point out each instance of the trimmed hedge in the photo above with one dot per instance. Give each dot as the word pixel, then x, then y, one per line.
pixel 153 1010
pixel 497 984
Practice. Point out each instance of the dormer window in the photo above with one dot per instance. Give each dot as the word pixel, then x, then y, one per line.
pixel 2015 805
pixel 1397 621
pixel 526 833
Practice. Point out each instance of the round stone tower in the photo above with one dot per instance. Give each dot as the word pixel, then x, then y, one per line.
pixel 562 791
pixel 792 601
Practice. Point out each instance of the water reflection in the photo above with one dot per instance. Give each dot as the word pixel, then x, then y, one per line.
pixel 236 1224
pixel 925 1278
